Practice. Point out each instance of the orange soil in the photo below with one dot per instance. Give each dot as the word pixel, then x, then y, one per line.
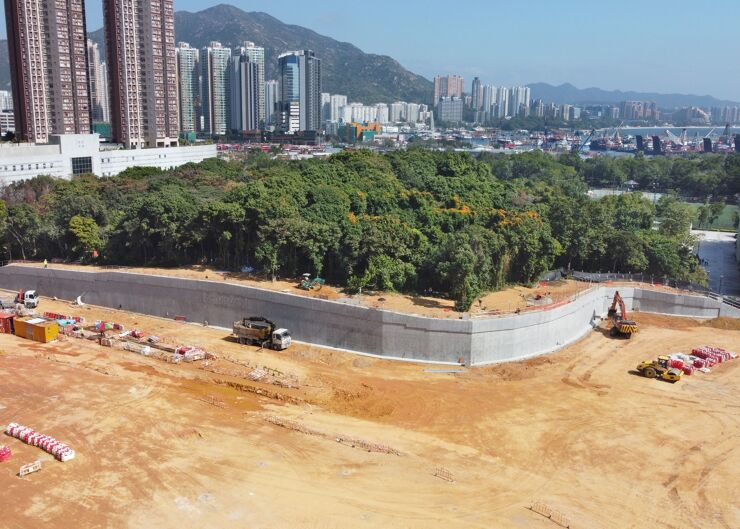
pixel 163 445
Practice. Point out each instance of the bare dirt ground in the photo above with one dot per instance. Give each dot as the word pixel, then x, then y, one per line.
pixel 504 301
pixel 174 446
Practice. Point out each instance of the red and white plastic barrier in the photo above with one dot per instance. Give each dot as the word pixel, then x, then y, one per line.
pixel 5 453
pixel 47 443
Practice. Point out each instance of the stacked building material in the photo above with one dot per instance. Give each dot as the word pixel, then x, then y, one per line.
pixel 143 350
pixel 713 355
pixel 190 353
pixel 676 362
pixel 47 443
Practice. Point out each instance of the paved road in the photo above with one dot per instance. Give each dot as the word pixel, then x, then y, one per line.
pixel 718 249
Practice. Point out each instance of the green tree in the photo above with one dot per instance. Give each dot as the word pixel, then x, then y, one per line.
pixel 87 234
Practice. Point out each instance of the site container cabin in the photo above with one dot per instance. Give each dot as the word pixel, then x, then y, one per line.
pixel 36 329
pixel 6 322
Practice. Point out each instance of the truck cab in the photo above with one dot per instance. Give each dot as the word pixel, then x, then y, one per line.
pixel 28 298
pixel 281 339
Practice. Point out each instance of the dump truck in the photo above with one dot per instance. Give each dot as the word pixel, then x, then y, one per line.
pixel 621 325
pixel 659 369
pixel 257 330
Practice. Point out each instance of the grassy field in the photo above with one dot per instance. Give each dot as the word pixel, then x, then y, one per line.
pixel 724 221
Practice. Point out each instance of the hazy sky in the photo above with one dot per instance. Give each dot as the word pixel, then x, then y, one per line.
pixel 647 45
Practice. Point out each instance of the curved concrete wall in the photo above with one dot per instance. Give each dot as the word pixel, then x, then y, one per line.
pixel 344 326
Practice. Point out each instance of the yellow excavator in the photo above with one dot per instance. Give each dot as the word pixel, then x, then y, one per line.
pixel 659 369
pixel 621 326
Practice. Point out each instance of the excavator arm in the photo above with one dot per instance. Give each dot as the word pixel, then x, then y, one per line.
pixel 622 309
pixel 621 324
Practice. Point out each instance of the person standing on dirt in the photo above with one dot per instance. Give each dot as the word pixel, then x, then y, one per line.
pixel 46 263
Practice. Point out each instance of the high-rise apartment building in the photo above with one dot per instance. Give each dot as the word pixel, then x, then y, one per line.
pixel 188 77
pixel 48 67
pixel 412 112
pixel 6 100
pixel 336 102
pixel 519 101
pixel 256 55
pixel 214 88
pixel 476 95
pixel 325 106
pixel 450 110
pixel 142 70
pixel 448 86
pixel 300 91
pixel 97 73
pixel 243 93
pixel 382 114
pixel 272 99
pixel 397 111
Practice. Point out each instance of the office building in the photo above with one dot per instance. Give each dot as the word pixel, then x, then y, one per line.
pixel 450 110
pixel 300 89
pixel 272 99
pixel 142 71
pixel 256 56
pixel 243 93
pixel 48 67
pixel 188 82
pixel 72 154
pixel 214 89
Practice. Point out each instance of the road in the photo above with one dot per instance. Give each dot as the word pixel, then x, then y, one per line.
pixel 718 249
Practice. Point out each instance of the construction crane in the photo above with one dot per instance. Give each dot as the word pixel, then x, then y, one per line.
pixel 675 139
pixel 579 148
pixel 620 324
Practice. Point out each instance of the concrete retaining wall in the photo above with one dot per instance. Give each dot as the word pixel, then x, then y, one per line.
pixel 360 329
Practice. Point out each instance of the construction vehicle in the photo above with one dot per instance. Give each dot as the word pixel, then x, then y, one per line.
pixel 310 284
pixel 659 369
pixel 621 326
pixel 257 330
pixel 28 299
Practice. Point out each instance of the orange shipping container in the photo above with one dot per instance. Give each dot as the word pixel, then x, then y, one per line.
pixel 36 329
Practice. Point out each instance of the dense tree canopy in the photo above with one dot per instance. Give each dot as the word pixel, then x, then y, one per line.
pixel 410 220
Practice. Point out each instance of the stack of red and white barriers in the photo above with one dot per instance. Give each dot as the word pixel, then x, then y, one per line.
pixel 47 443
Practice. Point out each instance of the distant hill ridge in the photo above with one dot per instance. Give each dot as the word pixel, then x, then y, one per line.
pixel 567 93
pixel 346 69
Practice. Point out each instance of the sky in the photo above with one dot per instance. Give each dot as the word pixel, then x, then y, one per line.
pixel 676 46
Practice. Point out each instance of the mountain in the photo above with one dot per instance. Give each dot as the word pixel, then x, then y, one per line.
pixel 345 69
pixel 567 93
